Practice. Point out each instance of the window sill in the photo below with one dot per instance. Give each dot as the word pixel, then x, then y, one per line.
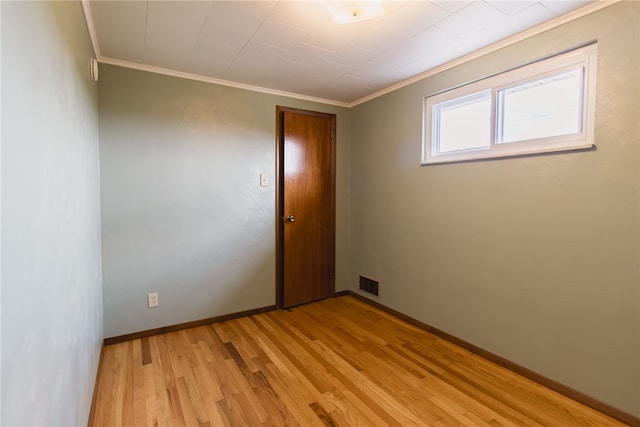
pixel 472 156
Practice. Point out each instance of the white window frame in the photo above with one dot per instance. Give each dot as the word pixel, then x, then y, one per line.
pixel 584 59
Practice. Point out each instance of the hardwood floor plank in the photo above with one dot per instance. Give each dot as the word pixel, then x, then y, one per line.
pixel 361 351
pixel 354 410
pixel 161 392
pixel 215 417
pixel 246 384
pixel 193 411
pixel 244 345
pixel 124 409
pixel 336 362
pixel 342 380
pixel 106 399
pixel 298 407
pixel 314 377
pixel 139 389
pixel 356 380
pixel 150 404
pixel 299 354
pixel 190 392
pixel 146 351
pixel 279 414
pixel 480 393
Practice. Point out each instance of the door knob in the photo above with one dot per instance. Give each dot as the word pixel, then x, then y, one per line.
pixel 290 218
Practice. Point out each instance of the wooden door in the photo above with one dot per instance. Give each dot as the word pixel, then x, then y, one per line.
pixel 306 206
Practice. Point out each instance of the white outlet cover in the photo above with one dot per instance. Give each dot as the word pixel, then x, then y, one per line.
pixel 152 299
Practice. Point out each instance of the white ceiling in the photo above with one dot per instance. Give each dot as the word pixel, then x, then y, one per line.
pixel 293 46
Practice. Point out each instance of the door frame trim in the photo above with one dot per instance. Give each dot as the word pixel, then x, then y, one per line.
pixel 280 110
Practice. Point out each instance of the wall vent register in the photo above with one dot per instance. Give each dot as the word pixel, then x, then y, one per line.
pixel 369 285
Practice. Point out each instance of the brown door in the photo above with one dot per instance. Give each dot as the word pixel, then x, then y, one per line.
pixel 306 206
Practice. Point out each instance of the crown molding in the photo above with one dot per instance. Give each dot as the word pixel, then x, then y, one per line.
pixel 88 19
pixel 86 9
pixel 205 79
pixel 561 20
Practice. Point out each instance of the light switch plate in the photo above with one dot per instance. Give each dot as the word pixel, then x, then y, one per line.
pixel 264 180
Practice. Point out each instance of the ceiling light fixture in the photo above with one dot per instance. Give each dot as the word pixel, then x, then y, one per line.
pixel 347 12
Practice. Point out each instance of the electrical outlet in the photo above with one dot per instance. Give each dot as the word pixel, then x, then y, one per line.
pixel 152 299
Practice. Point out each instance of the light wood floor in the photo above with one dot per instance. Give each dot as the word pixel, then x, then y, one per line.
pixel 338 362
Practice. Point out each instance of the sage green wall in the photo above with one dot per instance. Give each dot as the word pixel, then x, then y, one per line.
pixel 51 268
pixel 535 259
pixel 183 213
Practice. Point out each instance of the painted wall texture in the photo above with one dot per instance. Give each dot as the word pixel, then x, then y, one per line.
pixel 535 259
pixel 183 212
pixel 51 267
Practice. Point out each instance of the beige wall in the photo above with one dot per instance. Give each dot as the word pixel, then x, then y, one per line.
pixel 183 213
pixel 534 258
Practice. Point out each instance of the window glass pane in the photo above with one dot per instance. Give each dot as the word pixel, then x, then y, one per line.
pixel 465 125
pixel 542 108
